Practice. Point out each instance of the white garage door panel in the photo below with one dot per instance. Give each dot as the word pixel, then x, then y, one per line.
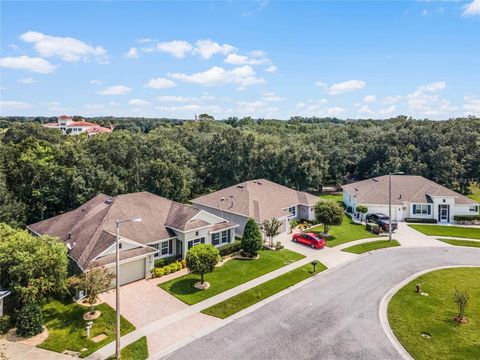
pixel 131 271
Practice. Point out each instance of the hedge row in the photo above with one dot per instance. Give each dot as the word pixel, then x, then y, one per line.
pixel 165 261
pixel 173 267
pixel 229 248
pixel 466 217
pixel 421 221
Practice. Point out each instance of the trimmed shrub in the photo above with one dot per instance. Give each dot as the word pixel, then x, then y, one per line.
pixel 278 245
pixel 466 217
pixel 166 270
pixel 228 249
pixel 165 261
pixel 178 265
pixel 422 221
pixel 4 324
pixel 373 228
pixel 158 272
pixel 184 264
pixel 252 240
pixel 29 320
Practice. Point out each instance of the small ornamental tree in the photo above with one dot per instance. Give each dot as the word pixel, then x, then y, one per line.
pixel 252 238
pixel 461 299
pixel 362 209
pixel 271 228
pixel 93 282
pixel 29 320
pixel 201 259
pixel 328 213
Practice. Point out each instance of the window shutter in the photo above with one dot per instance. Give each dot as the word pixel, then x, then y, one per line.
pixel 429 209
pixel 414 208
pixel 170 247
pixel 202 240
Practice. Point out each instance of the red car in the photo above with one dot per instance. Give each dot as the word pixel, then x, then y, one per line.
pixel 310 239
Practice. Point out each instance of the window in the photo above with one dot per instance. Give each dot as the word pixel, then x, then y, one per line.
pixel 197 241
pixel 120 245
pixel 422 209
pixel 293 211
pixel 225 236
pixel 215 239
pixel 165 248
pixel 473 208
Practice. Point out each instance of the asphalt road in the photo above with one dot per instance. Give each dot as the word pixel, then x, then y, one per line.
pixel 333 317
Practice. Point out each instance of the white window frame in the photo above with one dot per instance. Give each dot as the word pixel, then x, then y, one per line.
pixel 217 236
pixel 472 208
pixel 225 238
pixel 293 211
pixel 421 209
pixel 194 242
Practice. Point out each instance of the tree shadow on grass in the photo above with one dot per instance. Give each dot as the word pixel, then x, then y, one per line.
pixel 185 287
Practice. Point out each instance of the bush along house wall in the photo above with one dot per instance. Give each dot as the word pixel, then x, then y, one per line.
pixel 467 219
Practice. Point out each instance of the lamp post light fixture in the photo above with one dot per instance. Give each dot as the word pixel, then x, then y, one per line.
pixel 117 283
pixel 390 203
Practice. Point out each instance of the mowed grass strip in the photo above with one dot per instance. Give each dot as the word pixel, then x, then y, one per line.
pixel 233 273
pixel 410 315
pixel 372 245
pixel 138 350
pixel 249 297
pixel 348 231
pixel 453 231
pixel 66 327
pixel 460 242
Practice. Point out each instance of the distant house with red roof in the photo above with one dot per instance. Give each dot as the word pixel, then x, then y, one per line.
pixel 71 127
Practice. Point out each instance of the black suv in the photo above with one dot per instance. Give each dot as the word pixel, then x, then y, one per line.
pixel 382 220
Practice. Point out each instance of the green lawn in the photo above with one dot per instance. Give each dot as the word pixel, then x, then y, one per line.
pixel 411 314
pixel 332 197
pixel 475 195
pixel 66 327
pixel 248 298
pixel 233 273
pixel 453 231
pixel 137 350
pixel 460 242
pixel 371 245
pixel 348 231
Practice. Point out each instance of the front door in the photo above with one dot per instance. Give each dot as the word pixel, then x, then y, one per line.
pixel 443 213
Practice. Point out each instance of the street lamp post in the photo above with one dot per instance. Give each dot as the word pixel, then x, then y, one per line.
pixel 390 203
pixel 117 284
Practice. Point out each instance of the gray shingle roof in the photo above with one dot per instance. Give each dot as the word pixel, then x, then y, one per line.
pixel 89 229
pixel 260 199
pixel 405 188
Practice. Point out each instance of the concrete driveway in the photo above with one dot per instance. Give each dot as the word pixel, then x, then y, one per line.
pixel 333 317
pixel 143 302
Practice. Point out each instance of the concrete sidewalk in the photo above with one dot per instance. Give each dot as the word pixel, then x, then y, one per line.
pixel 16 351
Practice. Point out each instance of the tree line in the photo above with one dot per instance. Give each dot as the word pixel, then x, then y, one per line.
pixel 44 173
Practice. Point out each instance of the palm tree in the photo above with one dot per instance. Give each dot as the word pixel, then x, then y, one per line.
pixel 271 229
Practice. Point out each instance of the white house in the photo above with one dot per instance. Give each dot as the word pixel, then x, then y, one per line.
pixel 258 199
pixel 412 197
pixel 68 126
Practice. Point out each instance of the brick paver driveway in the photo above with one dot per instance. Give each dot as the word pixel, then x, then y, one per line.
pixel 143 302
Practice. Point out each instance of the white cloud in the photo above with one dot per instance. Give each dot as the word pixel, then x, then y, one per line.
pixel 271 97
pixel 175 99
pixel 321 84
pixel 139 102
pixel 257 53
pixel 387 111
pixel 364 109
pixel 335 111
pixel 300 105
pixel 346 86
pixel 271 69
pixel 471 105
pixel 472 8
pixel 243 76
pixel 38 65
pixel 160 83
pixel 132 53
pixel 207 48
pixel 424 12
pixel 177 48
pixel 237 59
pixel 115 90
pixel 144 40
pixel 392 99
pixel 67 48
pixel 95 82
pixel 26 81
pixel 11 105
pixel 370 99
pixel 425 100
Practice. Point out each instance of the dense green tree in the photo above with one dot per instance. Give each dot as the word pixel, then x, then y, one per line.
pixel 201 259
pixel 328 213
pixel 33 267
pixel 251 241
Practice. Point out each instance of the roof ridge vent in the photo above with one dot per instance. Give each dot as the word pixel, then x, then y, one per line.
pixel 240 186
pixel 108 201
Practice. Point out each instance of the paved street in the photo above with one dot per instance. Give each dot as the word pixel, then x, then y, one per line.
pixel 332 317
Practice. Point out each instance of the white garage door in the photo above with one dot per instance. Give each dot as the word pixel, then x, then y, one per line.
pixel 131 271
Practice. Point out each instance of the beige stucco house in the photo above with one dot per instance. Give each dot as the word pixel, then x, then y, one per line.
pixel 412 197
pixel 258 199
pixel 167 229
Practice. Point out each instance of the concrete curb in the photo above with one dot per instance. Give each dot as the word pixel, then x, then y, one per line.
pixel 382 310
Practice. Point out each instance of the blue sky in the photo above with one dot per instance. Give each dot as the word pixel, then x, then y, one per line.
pixel 268 59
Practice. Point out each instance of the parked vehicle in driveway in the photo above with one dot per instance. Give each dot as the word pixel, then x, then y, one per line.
pixel 381 220
pixel 310 239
